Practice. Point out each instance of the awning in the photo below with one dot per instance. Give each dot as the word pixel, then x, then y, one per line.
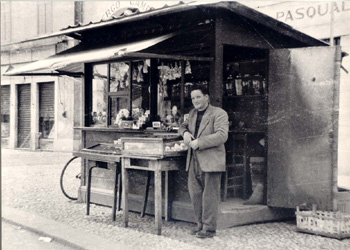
pixel 72 59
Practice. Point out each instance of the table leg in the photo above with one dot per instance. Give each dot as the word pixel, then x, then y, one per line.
pixel 166 197
pixel 88 190
pixel 145 197
pixel 158 198
pixel 114 205
pixel 119 190
pixel 125 205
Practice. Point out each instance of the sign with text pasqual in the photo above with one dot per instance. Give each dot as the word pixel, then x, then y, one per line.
pixel 117 7
pixel 318 9
pixel 298 13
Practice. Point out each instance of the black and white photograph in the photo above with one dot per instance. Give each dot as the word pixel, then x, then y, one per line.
pixel 175 125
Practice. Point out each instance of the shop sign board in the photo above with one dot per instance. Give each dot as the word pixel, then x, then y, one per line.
pixel 117 7
pixel 308 15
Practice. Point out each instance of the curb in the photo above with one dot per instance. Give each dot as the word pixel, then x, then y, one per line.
pixel 58 231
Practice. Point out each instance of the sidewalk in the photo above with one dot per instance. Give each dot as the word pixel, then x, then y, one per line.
pixel 31 197
pixel 57 231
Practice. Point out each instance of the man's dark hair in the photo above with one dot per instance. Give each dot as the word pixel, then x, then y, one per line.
pixel 201 88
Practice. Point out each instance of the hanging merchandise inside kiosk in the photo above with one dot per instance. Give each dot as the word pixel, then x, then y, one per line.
pixel 278 86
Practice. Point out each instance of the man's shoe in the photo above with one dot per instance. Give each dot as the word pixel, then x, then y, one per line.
pixel 205 234
pixel 195 230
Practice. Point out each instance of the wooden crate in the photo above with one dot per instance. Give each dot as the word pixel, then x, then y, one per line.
pixel 325 223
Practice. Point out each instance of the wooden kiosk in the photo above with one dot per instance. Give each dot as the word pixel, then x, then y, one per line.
pixel 279 86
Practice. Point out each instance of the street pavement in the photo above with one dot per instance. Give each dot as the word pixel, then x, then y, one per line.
pixel 31 199
pixel 15 237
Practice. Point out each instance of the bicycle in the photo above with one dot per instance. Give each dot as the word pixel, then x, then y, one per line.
pixel 70 179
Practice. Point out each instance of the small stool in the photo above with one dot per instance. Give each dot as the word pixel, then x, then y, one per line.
pixel 116 168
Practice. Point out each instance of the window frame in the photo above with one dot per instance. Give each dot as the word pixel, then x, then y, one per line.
pixel 128 93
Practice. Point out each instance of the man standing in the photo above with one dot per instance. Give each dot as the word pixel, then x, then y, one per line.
pixel 205 131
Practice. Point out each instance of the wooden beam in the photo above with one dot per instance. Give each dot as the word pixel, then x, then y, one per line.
pixel 183 82
pixel 87 96
pixel 163 56
pixel 154 89
pixel 49 74
pixel 216 69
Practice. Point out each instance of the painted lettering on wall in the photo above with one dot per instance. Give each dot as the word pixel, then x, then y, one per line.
pixel 310 12
pixel 115 6
pixel 109 12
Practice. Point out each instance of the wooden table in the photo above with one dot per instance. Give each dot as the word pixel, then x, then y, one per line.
pixel 156 165
pixel 112 162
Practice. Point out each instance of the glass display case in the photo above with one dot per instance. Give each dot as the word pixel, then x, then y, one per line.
pixel 155 146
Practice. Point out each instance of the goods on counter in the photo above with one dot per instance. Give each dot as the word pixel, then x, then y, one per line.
pixel 177 147
pixel 134 121
pixel 153 146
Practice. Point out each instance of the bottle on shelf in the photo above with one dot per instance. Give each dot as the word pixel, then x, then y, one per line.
pixel 257 84
pixel 238 84
pixel 264 85
pixel 230 86
pixel 251 90
pixel 245 84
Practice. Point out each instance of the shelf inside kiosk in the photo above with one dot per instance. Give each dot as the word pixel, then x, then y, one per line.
pixel 245 85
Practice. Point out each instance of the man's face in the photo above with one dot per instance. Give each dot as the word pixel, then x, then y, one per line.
pixel 199 100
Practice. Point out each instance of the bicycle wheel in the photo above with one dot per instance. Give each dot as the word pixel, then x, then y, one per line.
pixel 70 179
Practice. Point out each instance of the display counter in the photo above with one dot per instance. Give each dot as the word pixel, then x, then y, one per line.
pixel 102 183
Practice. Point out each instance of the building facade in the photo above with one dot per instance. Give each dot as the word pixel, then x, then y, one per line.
pixel 39 111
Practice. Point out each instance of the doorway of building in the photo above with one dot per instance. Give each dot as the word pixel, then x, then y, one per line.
pixel 46 115
pixel 23 94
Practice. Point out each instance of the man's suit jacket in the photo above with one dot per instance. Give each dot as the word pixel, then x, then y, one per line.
pixel 212 134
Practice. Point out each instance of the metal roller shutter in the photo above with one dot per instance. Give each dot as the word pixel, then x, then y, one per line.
pixel 23 116
pixel 46 109
pixel 5 99
pixel 5 112
pixel 46 99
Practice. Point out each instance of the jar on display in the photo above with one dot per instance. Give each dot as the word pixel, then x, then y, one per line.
pixel 257 83
pixel 264 85
pixel 238 84
pixel 245 84
pixel 229 86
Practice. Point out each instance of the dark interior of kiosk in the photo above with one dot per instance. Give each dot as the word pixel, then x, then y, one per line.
pixel 112 97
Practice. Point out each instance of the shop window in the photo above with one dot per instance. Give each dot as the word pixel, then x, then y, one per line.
pixel 175 84
pixel 99 95
pixel 120 94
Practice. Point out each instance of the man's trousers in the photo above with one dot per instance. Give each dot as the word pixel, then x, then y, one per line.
pixel 204 189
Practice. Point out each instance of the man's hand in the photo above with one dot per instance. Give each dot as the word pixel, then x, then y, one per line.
pixel 194 144
pixel 188 138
